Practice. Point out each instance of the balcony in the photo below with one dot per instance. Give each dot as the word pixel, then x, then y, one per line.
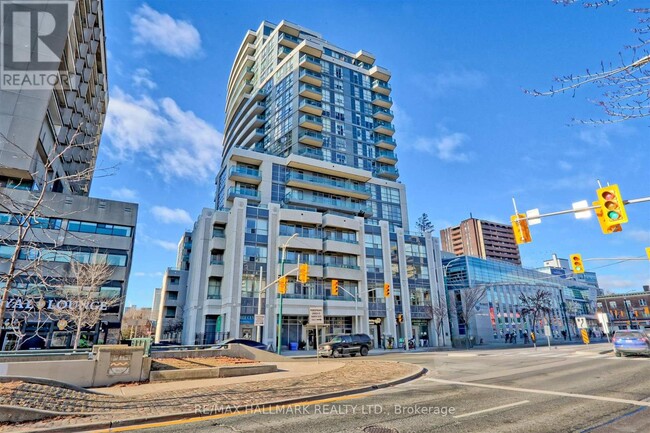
pixel 380 86
pixel 283 51
pixel 288 40
pixel 384 128
pixel 379 73
pixel 311 122
pixel 310 138
pixel 312 153
pixel 310 106
pixel 323 184
pixel 300 198
pixel 384 114
pixel 259 107
pixel 245 174
pixel 382 100
pixel 309 91
pixel 247 193
pixel 337 246
pixel 255 136
pixel 385 142
pixel 248 73
pixel 386 157
pixel 311 77
pixel 386 172
pixel 310 62
pixel 342 272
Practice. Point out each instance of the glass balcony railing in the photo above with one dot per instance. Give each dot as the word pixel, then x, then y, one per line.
pixel 303 232
pixel 311 103
pixel 310 59
pixel 342 184
pixel 287 37
pixel 341 265
pixel 283 51
pixel 247 192
pixel 312 153
pixel 386 154
pixel 389 171
pixel 338 237
pixel 216 261
pixel 380 83
pixel 308 73
pixel 309 118
pixel 383 110
pixel 385 139
pixel 309 88
pixel 387 125
pixel 318 201
pixel 246 171
pixel 380 97
pixel 311 134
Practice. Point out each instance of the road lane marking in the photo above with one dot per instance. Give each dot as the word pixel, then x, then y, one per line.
pixel 505 406
pixel 543 391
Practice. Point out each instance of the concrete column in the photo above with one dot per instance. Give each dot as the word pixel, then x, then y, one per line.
pixel 404 282
pixel 389 324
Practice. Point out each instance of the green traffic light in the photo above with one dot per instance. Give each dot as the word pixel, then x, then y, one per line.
pixel 613 215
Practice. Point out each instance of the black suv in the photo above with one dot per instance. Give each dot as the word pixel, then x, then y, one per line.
pixel 340 345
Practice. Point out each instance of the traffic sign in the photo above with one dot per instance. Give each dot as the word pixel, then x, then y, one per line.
pixel 547 330
pixel 585 336
pixel 581 322
pixel 316 316
pixel 259 320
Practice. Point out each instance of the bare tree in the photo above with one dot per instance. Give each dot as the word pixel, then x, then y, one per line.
pixel 440 313
pixel 27 308
pixel 626 84
pixel 81 303
pixel 470 299
pixel 18 232
pixel 535 306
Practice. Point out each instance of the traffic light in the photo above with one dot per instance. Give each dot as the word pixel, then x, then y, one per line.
pixel 386 290
pixel 611 212
pixel 647 252
pixel 282 285
pixel 400 318
pixel 335 287
pixel 303 273
pixel 520 229
pixel 646 310
pixel 576 264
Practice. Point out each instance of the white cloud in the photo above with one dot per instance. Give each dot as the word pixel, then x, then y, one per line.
pixel 564 166
pixel 180 144
pixel 614 282
pixel 446 147
pixel 125 194
pixel 604 135
pixel 171 216
pixel 638 235
pixel 149 274
pixel 142 79
pixel 450 79
pixel 166 245
pixel 176 38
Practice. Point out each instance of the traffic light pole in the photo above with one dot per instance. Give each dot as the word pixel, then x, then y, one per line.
pixel 582 209
pixel 284 256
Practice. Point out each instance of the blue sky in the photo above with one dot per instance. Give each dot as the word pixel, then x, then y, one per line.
pixel 469 138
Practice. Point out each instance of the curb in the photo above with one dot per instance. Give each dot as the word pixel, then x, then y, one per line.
pixel 49 382
pixel 184 415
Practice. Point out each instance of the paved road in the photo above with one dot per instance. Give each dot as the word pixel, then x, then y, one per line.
pixel 515 390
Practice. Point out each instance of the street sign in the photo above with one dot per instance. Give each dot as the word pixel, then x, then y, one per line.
pixel 259 320
pixel 604 321
pixel 585 336
pixel 547 330
pixel 581 322
pixel 316 316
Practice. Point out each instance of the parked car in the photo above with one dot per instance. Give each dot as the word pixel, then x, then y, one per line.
pixel 340 345
pixel 242 341
pixel 631 342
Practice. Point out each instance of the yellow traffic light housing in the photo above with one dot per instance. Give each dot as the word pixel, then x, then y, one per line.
pixel 335 288
pixel 386 290
pixel 520 229
pixel 400 318
pixel 647 252
pixel 282 285
pixel 303 273
pixel 576 264
pixel 612 212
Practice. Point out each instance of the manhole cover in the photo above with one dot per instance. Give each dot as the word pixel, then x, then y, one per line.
pixel 376 429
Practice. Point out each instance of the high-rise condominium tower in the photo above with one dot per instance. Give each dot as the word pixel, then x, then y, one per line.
pixel 308 176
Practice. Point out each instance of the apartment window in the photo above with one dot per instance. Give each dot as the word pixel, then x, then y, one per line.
pixel 174 280
pixel 172 296
pixel 612 304
pixel 218 232
pixel 170 312
pixel 374 264
pixel 257 226
pixel 599 304
pixel 373 241
pixel 642 302
pixel 214 288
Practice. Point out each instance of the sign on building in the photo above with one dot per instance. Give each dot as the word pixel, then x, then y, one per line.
pixel 316 316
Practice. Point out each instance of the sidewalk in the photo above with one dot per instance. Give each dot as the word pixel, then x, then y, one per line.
pixel 76 410
pixel 309 354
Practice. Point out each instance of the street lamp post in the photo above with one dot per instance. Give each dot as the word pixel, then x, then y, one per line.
pixel 284 256
pixel 259 308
